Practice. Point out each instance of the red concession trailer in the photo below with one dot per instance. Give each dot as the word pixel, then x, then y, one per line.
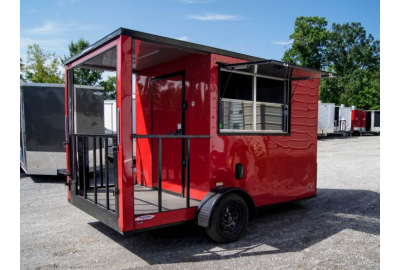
pixel 358 120
pixel 218 135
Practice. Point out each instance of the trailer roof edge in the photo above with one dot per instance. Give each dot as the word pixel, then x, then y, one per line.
pixel 162 40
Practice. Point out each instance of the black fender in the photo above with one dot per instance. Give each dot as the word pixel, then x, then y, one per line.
pixel 208 203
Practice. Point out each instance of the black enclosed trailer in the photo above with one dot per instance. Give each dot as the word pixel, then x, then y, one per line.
pixel 42 129
pixel 42 123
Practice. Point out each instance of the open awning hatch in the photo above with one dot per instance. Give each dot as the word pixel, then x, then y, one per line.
pixel 277 70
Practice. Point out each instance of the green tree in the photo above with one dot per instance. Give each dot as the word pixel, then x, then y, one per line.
pixel 110 86
pixel 42 67
pixel 349 48
pixel 21 70
pixel 345 49
pixel 356 58
pixel 82 76
pixel 308 43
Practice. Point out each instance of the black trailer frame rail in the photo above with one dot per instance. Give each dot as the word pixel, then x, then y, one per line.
pixel 104 180
pixel 186 176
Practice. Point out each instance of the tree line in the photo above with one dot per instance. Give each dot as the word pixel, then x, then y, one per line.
pixel 41 67
pixel 345 49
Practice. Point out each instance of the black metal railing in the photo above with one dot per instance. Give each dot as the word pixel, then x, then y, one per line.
pixel 93 168
pixel 186 176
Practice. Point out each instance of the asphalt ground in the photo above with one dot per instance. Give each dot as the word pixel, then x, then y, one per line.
pixel 339 229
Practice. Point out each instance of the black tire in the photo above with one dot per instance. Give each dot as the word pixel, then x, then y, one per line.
pixel 229 219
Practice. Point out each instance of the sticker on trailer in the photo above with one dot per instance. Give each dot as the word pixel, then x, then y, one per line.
pixel 147 217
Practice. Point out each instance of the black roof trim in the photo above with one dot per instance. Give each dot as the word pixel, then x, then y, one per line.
pixel 162 40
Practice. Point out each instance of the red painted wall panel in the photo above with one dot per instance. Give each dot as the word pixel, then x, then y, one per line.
pixel 124 104
pixel 197 119
pixel 277 168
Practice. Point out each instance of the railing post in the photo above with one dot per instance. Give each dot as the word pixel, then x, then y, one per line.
pixel 159 174
pixel 79 162
pixel 107 178
pixel 188 172
pixel 85 165
pixel 115 176
pixel 94 170
pixel 101 160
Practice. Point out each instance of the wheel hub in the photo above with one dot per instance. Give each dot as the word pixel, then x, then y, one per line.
pixel 230 218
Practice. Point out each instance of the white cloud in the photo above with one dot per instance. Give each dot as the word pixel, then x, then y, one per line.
pixel 50 27
pixel 47 28
pixel 184 38
pixel 46 44
pixel 282 42
pixel 214 17
pixel 197 1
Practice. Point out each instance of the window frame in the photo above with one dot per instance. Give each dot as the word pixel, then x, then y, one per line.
pixel 255 132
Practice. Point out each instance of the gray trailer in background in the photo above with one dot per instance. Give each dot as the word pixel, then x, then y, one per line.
pixel 42 130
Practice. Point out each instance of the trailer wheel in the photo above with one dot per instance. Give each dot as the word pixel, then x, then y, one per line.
pixel 229 219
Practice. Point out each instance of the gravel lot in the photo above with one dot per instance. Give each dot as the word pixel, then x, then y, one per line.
pixel 339 229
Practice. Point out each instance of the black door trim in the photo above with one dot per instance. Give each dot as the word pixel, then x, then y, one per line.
pixel 162 77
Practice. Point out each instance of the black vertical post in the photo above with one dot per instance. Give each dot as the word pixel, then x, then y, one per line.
pixel 107 188
pixel 94 170
pixel 85 166
pixel 188 172
pixel 115 176
pixel 79 163
pixel 183 166
pixel 101 160
pixel 73 163
pixel 70 158
pixel 159 175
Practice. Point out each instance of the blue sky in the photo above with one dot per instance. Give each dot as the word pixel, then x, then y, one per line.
pixel 258 28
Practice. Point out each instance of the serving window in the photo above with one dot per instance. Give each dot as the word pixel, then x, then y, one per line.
pixel 252 103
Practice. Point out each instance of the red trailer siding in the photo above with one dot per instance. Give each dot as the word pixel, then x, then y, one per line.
pixel 277 168
pixel 358 120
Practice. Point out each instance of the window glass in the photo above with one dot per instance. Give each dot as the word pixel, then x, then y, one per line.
pixel 236 115
pixel 236 86
pixel 377 119
pixel 271 91
pixel 240 100
pixel 270 117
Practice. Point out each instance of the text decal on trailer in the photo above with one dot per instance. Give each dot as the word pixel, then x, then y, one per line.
pixel 147 217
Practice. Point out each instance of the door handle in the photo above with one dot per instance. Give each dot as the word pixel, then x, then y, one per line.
pixel 178 131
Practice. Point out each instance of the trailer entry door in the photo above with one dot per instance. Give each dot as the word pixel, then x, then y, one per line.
pixel 168 119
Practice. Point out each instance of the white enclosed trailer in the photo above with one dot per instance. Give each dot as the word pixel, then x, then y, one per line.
pixel 326 118
pixel 342 119
pixel 110 119
pixel 373 122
